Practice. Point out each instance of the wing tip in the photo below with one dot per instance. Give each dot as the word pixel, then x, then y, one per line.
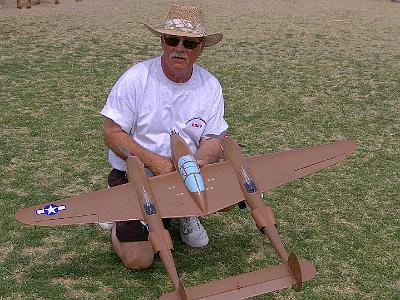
pixel 350 146
pixel 21 217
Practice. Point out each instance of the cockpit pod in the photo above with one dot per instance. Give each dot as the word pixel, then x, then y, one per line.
pixel 190 174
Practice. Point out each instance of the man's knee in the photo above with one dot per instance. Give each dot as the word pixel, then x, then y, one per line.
pixel 138 260
pixel 134 255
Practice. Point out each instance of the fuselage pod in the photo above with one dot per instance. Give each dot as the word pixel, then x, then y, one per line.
pixel 190 174
pixel 188 170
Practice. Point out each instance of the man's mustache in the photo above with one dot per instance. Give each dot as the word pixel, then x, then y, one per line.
pixel 179 55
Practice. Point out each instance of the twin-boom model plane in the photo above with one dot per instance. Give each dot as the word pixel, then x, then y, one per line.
pixel 194 191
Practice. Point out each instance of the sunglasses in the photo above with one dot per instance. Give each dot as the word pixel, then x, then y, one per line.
pixel 173 41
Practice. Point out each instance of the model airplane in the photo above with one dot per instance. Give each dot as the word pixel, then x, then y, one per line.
pixel 191 191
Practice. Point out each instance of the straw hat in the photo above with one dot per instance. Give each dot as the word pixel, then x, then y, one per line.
pixel 186 21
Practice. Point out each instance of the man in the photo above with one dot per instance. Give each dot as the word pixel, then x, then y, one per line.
pixel 149 100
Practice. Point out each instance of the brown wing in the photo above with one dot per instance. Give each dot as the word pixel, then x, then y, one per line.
pixel 272 170
pixel 174 200
pixel 223 190
pixel 222 186
pixel 117 203
pixel 120 203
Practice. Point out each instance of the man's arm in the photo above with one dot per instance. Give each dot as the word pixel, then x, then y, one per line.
pixel 209 151
pixel 114 137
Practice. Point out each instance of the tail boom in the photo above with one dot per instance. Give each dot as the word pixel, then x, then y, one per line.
pixel 159 237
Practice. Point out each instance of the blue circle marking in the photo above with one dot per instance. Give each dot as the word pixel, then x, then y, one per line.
pixel 50 209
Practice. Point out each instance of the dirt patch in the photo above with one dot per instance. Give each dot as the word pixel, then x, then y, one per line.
pixel 66 257
pixel 35 251
pixel 5 250
pixel 74 292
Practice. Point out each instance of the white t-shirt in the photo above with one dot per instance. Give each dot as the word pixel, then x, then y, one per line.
pixel 147 106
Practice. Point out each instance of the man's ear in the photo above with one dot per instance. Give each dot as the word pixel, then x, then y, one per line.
pixel 162 43
pixel 202 45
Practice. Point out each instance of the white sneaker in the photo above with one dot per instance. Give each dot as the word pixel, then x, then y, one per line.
pixel 192 232
pixel 106 225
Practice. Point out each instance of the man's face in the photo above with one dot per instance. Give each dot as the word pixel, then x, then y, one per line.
pixel 180 53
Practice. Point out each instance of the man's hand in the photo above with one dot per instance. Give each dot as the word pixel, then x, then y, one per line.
pixel 161 165
pixel 114 137
pixel 209 151
pixel 200 163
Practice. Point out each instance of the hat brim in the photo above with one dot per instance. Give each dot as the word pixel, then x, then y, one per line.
pixel 209 39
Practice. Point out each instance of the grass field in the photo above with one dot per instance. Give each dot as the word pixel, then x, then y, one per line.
pixel 294 74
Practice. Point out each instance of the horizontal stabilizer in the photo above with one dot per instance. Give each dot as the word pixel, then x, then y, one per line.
pixel 247 285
